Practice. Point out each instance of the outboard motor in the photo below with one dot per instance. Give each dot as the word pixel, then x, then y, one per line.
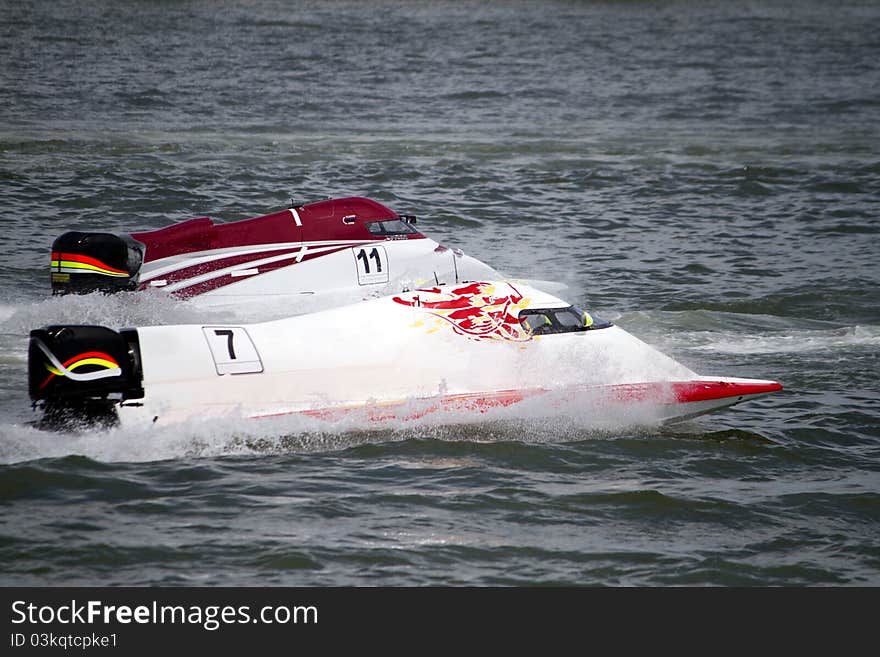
pixel 79 373
pixel 95 262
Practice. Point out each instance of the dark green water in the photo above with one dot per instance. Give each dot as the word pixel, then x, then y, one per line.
pixel 706 174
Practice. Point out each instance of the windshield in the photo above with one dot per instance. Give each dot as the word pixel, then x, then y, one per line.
pixel 542 321
pixel 391 227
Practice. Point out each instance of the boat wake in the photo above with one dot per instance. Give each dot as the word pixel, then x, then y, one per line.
pixel 549 419
pixel 703 331
pixel 797 341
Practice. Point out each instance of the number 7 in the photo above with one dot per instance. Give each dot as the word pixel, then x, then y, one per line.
pixel 228 335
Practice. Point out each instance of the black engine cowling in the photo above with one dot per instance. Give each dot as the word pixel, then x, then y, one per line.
pixel 80 373
pixel 95 262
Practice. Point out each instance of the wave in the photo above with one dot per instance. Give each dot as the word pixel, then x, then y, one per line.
pixel 795 342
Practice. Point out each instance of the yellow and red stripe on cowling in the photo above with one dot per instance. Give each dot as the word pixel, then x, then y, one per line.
pixel 87 358
pixel 77 263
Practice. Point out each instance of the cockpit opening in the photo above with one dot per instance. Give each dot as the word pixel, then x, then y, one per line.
pixel 544 321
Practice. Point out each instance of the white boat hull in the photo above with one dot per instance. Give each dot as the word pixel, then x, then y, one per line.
pixel 447 348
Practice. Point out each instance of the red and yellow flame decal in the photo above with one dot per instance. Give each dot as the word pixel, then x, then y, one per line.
pixel 77 263
pixel 480 311
pixel 98 358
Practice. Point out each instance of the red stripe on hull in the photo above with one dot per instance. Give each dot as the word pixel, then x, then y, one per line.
pixel 665 393
pixel 692 391
pixel 683 392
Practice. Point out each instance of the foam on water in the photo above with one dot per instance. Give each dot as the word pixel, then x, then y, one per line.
pixel 6 311
pixel 556 417
pixel 846 337
pixel 786 342
pixel 744 334
pixel 115 311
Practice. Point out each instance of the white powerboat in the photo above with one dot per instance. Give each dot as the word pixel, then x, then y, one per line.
pixel 469 348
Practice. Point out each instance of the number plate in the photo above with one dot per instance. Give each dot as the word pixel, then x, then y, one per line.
pixel 233 350
pixel 372 264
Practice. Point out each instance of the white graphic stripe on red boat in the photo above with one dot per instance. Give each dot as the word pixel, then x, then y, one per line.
pixel 252 264
pixel 176 263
